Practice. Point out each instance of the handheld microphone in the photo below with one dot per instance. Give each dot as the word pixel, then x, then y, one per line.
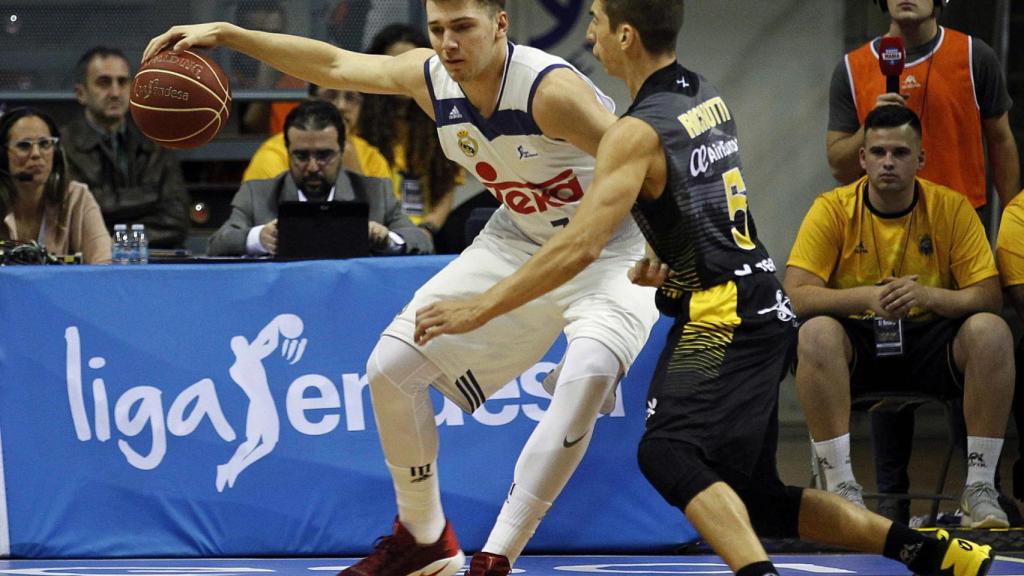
pixel 892 57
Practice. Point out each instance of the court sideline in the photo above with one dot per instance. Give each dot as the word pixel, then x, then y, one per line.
pixel 788 565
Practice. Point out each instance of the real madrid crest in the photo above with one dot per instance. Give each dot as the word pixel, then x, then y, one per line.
pixel 467 144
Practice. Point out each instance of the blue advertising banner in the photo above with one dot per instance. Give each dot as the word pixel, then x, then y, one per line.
pixel 223 410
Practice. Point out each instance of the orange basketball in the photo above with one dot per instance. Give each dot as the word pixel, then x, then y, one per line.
pixel 180 99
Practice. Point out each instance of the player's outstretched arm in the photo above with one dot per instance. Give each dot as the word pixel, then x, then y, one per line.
pixel 305 58
pixel 627 152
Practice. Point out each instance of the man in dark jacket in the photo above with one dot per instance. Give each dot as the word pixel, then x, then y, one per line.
pixel 314 135
pixel 134 180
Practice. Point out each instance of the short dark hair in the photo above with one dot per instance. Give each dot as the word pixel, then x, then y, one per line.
pixel 393 34
pixel 658 21
pixel 892 116
pixel 315 115
pixel 82 68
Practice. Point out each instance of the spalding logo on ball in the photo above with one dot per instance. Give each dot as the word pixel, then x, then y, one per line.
pixel 180 99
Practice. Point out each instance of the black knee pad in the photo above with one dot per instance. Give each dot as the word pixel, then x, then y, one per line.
pixel 774 508
pixel 677 470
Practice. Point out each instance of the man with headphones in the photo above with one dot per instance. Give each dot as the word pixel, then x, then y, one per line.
pixel 38 202
pixel 954 83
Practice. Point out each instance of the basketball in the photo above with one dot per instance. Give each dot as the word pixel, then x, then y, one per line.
pixel 180 99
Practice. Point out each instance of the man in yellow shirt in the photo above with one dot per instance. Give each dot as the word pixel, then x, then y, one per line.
pixel 898 290
pixel 271 158
pixel 1010 256
pixel 1010 252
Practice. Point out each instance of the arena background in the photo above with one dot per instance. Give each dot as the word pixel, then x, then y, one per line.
pixel 772 61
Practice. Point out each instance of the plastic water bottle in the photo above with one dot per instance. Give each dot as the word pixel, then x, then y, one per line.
pixel 119 247
pixel 138 245
pixel 412 195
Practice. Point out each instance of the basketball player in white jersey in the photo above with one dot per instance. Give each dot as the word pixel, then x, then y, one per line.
pixel 526 123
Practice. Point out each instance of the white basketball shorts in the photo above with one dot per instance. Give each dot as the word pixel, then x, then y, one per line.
pixel 599 303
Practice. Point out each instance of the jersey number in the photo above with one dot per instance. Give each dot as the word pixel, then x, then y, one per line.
pixel 736 196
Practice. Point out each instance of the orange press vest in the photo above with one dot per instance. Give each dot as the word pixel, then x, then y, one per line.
pixel 941 92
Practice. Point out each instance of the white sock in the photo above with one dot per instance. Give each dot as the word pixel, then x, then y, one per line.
pixel 418 494
pixel 834 460
pixel 518 520
pixel 982 458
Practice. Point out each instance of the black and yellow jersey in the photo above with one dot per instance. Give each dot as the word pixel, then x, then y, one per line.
pixel 701 225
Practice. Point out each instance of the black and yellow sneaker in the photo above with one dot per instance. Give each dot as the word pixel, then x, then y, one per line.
pixel 963 557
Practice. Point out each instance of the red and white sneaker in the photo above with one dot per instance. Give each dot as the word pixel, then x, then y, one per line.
pixel 487 564
pixel 400 555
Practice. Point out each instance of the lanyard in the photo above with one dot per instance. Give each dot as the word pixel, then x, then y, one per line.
pixel 908 232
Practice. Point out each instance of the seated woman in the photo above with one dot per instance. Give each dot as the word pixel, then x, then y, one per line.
pixel 36 199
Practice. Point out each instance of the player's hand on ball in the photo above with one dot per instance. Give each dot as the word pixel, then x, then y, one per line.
pixel 649 272
pixel 184 37
pixel 180 100
pixel 448 317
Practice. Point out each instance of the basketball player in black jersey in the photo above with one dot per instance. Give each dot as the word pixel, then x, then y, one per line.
pixel 712 409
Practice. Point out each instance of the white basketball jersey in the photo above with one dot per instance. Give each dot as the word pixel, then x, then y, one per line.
pixel 539 181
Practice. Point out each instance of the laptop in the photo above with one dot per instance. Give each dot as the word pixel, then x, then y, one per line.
pixel 322 230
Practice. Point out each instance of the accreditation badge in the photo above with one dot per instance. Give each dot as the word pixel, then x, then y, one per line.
pixel 888 337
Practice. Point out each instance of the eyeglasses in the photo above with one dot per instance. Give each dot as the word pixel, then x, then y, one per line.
pixel 24 147
pixel 321 156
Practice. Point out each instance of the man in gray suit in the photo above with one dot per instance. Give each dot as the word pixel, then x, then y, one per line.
pixel 314 134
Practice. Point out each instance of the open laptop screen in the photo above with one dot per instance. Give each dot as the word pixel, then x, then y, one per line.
pixel 322 230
